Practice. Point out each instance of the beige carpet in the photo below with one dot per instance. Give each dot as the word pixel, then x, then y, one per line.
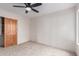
pixel 32 49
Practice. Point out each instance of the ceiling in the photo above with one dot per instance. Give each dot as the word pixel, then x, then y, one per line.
pixel 45 8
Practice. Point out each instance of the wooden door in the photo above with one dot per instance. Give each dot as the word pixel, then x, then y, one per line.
pixel 10 32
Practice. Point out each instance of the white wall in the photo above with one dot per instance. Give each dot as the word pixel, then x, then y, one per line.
pixel 55 29
pixel 22 25
pixel 77 29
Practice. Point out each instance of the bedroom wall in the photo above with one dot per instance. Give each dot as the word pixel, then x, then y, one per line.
pixel 22 25
pixel 55 29
pixel 77 29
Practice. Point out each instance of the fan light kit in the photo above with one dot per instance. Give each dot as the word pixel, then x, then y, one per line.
pixel 29 7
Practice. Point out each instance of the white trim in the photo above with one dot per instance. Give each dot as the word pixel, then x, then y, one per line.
pixel 77 27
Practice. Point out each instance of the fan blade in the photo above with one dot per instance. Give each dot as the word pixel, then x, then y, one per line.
pixel 26 11
pixel 35 10
pixel 25 4
pixel 19 6
pixel 36 4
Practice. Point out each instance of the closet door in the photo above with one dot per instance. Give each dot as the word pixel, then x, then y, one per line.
pixel 13 32
pixel 10 32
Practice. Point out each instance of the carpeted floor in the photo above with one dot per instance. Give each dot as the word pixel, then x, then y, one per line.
pixel 32 49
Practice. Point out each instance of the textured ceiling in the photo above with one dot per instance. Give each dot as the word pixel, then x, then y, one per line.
pixel 45 8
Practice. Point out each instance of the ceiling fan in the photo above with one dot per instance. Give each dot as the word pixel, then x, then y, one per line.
pixel 29 6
